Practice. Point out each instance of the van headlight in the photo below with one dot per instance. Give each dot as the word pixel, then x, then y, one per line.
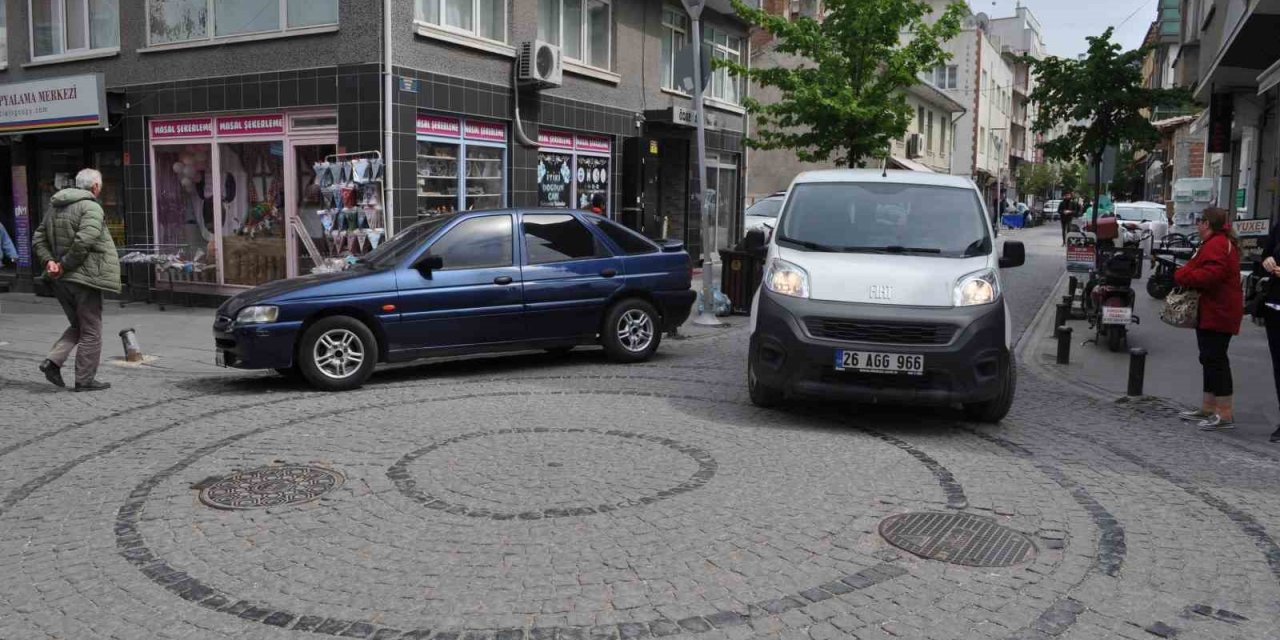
pixel 258 314
pixel 787 279
pixel 979 287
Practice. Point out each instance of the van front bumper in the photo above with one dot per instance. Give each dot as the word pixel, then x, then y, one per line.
pixel 967 367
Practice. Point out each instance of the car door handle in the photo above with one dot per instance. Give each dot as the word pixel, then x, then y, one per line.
pixel 609 273
pixel 502 280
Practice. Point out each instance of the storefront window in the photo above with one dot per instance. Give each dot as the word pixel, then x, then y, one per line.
pixel 184 191
pixel 555 179
pixel 574 169
pixel 253 240
pixel 60 27
pixel 461 165
pixel 109 164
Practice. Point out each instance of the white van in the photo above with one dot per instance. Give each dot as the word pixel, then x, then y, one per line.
pixel 884 287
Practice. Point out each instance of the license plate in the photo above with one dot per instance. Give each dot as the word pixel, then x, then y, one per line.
pixel 871 362
pixel 220 358
pixel 1117 315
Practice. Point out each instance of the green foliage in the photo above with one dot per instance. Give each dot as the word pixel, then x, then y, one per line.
pixel 1037 179
pixel 845 101
pixel 1071 177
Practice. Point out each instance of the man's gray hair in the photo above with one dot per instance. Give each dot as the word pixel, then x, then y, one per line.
pixel 87 179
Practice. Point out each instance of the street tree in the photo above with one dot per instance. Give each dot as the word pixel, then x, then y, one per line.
pixel 1070 176
pixel 1037 179
pixel 1102 100
pixel 845 100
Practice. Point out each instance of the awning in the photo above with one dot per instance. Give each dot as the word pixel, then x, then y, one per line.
pixel 910 165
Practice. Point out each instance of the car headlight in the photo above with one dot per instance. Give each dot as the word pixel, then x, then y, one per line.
pixel 787 279
pixel 979 287
pixel 257 314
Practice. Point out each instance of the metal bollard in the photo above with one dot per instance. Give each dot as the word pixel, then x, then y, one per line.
pixel 1137 370
pixel 132 349
pixel 1064 345
pixel 1061 314
pixel 1072 284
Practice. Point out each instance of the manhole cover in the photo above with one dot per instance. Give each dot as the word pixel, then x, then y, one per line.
pixel 270 487
pixel 957 538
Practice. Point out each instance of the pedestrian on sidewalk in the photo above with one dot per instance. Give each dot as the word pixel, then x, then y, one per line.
pixel 1067 210
pixel 1268 308
pixel 1214 271
pixel 80 263
pixel 8 252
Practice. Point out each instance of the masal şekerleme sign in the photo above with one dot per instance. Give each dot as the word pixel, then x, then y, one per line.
pixel 72 102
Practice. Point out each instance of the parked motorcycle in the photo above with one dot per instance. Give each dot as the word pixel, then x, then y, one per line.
pixel 1108 296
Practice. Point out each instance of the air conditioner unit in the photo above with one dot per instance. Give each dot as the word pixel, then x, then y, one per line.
pixel 540 65
pixel 914 144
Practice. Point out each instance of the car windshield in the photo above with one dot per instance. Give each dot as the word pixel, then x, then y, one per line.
pixel 405 242
pixel 767 208
pixel 1133 214
pixel 885 218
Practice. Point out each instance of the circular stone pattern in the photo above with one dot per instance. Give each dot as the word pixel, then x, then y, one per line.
pixel 957 538
pixel 537 473
pixel 270 487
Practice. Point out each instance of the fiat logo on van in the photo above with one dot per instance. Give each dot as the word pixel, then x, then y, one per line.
pixel 881 292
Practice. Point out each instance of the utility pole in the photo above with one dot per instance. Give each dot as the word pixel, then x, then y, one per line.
pixel 707 317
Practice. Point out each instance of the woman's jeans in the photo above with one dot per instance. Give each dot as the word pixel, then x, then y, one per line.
pixel 1213 357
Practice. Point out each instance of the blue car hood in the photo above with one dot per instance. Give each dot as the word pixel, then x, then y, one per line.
pixel 354 281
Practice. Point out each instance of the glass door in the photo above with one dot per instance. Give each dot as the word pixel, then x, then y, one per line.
pixel 305 207
pixel 253 208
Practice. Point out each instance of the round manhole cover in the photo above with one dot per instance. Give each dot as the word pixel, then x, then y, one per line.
pixel 270 487
pixel 957 538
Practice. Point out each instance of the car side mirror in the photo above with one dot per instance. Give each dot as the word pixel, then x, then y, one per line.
pixel 1012 254
pixel 428 263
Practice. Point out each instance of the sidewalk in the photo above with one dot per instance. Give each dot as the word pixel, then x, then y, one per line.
pixel 1173 373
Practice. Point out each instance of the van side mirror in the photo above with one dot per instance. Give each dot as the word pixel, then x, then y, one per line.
pixel 428 263
pixel 1012 254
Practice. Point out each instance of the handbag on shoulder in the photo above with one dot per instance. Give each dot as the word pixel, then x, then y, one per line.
pixel 1181 308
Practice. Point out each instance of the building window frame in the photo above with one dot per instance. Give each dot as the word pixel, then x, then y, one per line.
pixel 928 136
pixel 426 25
pixel 59 22
pixel 945 76
pixel 210 36
pixel 585 56
pixel 732 47
pixel 676 29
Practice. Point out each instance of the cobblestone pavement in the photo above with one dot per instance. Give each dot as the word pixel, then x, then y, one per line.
pixel 540 497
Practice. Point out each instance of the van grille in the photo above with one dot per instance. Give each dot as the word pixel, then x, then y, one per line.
pixel 880 332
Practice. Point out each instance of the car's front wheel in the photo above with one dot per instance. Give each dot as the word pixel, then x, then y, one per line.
pixel 337 353
pixel 995 409
pixel 631 331
pixel 762 395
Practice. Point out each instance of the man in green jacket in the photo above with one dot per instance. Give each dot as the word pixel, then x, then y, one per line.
pixel 80 260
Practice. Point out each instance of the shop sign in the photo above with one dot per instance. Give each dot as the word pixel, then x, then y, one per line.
pixel 439 126
pixel 1080 252
pixel 73 102
pixel 489 131
pixel 593 178
pixel 555 139
pixel 21 216
pixel 689 117
pixel 184 128
pixel 251 125
pixel 554 176
pixel 1253 238
pixel 591 144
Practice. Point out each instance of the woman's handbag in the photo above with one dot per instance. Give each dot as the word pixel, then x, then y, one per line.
pixel 1181 308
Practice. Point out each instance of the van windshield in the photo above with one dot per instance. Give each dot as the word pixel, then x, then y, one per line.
pixel 885 218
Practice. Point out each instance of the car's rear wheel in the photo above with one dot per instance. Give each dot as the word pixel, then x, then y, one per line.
pixel 762 395
pixel 337 353
pixel 995 409
pixel 631 331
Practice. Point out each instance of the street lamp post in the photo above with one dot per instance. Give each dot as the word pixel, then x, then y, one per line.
pixel 707 316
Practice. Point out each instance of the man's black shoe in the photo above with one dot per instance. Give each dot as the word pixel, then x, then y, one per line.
pixel 52 373
pixel 93 385
pixel 1275 437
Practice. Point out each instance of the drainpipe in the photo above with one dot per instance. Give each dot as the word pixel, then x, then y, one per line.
pixel 388 125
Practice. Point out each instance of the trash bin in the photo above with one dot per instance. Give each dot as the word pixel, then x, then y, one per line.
pixel 740 274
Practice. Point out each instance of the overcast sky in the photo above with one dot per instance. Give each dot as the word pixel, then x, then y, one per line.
pixel 1066 23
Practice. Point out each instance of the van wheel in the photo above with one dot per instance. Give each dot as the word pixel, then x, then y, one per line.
pixel 995 409
pixel 337 353
pixel 631 331
pixel 762 395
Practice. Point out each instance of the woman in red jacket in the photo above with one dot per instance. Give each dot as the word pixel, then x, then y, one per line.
pixel 1214 271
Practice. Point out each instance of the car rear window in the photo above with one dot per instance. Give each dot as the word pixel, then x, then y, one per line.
pixel 629 241
pixel 767 208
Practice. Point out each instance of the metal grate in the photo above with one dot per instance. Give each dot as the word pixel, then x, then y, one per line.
pixel 957 538
pixel 880 332
pixel 270 487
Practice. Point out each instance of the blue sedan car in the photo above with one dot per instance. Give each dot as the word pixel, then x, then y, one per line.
pixel 475 282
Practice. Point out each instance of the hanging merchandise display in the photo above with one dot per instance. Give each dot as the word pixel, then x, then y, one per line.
pixel 573 171
pixel 351 192
pixel 461 165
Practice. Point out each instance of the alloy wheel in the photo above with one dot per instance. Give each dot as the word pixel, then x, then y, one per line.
pixel 635 330
pixel 338 354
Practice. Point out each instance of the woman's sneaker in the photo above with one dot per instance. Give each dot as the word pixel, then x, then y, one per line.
pixel 1195 415
pixel 1216 423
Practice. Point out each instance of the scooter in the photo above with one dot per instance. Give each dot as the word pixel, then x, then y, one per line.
pixel 1108 296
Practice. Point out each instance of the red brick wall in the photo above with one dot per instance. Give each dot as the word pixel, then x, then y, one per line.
pixel 760 37
pixel 1195 160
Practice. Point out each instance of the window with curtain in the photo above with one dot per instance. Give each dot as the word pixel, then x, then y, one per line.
pixel 944 76
pixel 675 36
pixel 583 29
pixel 183 21
pixel 724 86
pixel 70 27
pixel 481 18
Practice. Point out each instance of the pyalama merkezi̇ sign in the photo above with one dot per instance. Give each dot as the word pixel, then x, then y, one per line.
pixel 56 104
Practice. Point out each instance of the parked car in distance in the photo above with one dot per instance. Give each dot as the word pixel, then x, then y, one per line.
pixel 475 282
pixel 884 287
pixel 1050 209
pixel 763 212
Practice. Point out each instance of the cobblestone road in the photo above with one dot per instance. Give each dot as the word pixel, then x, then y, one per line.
pixel 541 497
